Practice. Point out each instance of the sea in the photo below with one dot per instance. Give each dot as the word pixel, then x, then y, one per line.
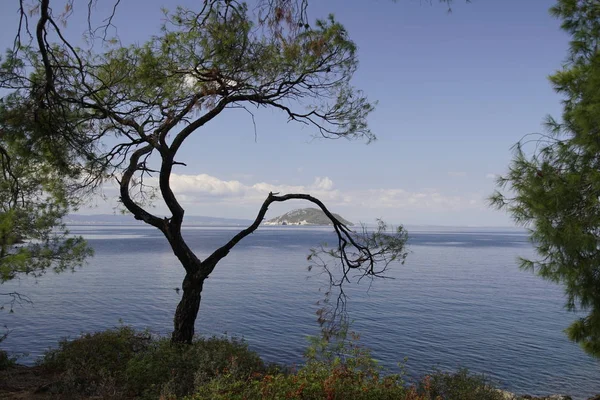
pixel 460 300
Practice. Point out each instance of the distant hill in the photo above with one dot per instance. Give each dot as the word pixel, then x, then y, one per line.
pixel 127 219
pixel 305 216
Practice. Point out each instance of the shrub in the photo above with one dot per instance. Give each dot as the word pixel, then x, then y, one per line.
pixel 122 363
pixel 6 361
pixel 173 370
pixel 95 363
pixel 337 368
pixel 458 385
pixel 318 380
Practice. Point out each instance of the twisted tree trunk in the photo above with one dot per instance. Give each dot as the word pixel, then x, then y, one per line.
pixel 187 309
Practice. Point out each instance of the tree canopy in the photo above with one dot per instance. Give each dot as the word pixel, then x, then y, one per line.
pixel 41 181
pixel 129 110
pixel 553 184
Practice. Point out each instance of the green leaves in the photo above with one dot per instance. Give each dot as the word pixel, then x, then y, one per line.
pixel 217 59
pixel 556 184
pixel 39 184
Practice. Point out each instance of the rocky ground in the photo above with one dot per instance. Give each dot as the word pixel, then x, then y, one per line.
pixel 512 396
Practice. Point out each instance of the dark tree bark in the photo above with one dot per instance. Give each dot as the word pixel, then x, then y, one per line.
pixel 187 310
pixel 353 255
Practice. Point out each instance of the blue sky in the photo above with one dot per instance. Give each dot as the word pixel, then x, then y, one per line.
pixel 455 92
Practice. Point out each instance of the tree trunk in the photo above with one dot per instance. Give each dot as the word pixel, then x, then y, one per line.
pixel 187 310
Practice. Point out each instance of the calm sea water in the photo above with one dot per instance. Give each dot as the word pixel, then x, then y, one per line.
pixel 459 300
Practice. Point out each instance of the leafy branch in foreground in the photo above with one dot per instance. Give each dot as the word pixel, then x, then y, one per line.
pixel 41 180
pixel 555 186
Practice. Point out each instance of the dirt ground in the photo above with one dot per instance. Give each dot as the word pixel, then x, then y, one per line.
pixel 20 382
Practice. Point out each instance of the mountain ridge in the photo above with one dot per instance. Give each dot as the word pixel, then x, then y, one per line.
pixel 305 216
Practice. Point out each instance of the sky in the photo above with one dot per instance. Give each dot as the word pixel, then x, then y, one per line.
pixel 455 92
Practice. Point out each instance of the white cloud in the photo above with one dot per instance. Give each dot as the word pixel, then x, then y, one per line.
pixel 322 183
pixel 491 176
pixel 206 185
pixel 204 194
pixel 205 188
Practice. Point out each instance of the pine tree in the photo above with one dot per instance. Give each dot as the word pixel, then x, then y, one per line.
pixel 554 187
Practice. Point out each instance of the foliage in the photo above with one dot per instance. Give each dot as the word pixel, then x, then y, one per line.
pixel 5 360
pixel 39 184
pixel 314 381
pixel 96 363
pixel 322 381
pixel 556 185
pixel 123 362
pixel 47 167
pixel 173 369
pixel 458 385
pixel 340 368
pixel 341 346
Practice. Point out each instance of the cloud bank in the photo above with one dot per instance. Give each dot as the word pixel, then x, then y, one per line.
pixel 203 189
pixel 205 194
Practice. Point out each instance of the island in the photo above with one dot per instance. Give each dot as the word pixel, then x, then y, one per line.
pixel 305 216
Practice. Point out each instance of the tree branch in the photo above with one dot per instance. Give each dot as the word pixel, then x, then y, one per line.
pixel 15 298
pixel 138 212
pixel 343 232
pixel 40 34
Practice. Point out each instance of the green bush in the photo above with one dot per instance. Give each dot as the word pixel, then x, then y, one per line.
pixel 176 370
pixel 338 367
pixel 5 361
pixel 316 380
pixel 124 363
pixel 458 385
pixel 95 363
